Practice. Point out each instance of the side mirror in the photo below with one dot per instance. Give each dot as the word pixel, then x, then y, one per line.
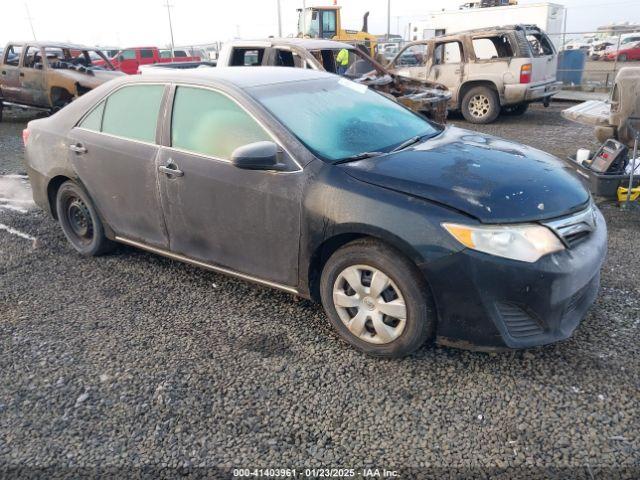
pixel 257 156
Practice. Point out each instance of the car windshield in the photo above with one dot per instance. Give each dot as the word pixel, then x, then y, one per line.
pixel 337 118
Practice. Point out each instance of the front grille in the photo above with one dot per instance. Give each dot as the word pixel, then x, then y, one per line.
pixel 575 228
pixel 518 322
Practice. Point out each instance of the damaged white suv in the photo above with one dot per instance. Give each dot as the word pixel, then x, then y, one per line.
pixel 488 71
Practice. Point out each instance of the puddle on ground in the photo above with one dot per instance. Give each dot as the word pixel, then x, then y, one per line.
pixel 15 193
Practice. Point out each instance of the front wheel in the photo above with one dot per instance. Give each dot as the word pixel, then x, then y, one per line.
pixel 377 299
pixel 80 222
pixel 481 105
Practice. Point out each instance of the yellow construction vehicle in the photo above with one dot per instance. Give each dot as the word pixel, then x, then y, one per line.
pixel 325 22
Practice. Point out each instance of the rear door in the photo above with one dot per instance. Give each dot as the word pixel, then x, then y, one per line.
pixel 245 220
pixel 114 151
pixel 448 66
pixel 544 60
pixel 10 73
pixel 32 78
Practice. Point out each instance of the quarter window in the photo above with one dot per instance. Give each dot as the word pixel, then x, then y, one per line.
pixel 93 121
pixel 132 112
pixel 212 124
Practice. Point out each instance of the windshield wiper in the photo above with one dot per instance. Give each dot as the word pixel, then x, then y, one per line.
pixel 409 142
pixel 358 156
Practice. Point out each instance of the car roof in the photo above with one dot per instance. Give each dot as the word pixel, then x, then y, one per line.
pixel 306 43
pixel 241 77
pixel 70 46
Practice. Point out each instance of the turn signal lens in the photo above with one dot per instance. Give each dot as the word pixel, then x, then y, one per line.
pixel 525 73
pixel 25 136
pixel 525 243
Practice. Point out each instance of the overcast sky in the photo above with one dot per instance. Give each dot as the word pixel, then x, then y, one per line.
pixel 137 22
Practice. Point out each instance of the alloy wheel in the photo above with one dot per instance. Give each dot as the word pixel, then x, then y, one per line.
pixel 370 304
pixel 479 106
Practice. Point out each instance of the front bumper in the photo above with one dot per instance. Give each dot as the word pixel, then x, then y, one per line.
pixel 518 93
pixel 489 303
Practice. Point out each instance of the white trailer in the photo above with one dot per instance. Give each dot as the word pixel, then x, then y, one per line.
pixel 548 16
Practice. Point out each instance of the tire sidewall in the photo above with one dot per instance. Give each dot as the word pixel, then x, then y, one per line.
pixel 96 245
pixel 420 322
pixel 493 100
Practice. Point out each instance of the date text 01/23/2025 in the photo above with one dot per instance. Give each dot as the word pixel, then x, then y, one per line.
pixel 315 473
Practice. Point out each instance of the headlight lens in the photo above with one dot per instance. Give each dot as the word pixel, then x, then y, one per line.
pixel 525 242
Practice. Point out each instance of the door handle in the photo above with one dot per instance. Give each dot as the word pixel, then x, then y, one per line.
pixel 77 148
pixel 4 72
pixel 21 74
pixel 171 169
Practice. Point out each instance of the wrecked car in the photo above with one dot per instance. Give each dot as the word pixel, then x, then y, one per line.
pixel 48 76
pixel 307 182
pixel 488 71
pixel 611 118
pixel 426 97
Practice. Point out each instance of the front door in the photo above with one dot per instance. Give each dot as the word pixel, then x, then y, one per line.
pixel 114 151
pixel 33 89
pixel 245 220
pixel 10 71
pixel 412 61
pixel 447 66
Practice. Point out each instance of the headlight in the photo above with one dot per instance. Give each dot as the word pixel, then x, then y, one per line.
pixel 525 242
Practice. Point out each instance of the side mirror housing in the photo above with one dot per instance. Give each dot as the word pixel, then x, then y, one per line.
pixel 257 156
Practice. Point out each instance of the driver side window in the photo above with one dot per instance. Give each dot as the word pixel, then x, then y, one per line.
pixel 413 56
pixel 12 55
pixel 210 123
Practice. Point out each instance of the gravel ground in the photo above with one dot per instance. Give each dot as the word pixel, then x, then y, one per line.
pixel 134 360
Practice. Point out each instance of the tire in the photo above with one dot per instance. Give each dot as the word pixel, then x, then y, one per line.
pixel 516 110
pixel 80 222
pixel 623 57
pixel 481 105
pixel 1 109
pixel 375 332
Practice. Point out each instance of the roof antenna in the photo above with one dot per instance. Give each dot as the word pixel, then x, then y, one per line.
pixel 30 21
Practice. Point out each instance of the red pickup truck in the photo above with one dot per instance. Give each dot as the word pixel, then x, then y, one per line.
pixel 129 59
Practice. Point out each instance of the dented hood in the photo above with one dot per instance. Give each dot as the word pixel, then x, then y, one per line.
pixel 491 179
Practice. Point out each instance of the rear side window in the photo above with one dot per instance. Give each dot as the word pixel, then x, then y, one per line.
pixel 490 48
pixel 146 53
pixel 12 55
pixel 540 44
pixel 210 123
pixel 132 112
pixel 247 57
pixel 180 54
pixel 93 121
pixel 446 53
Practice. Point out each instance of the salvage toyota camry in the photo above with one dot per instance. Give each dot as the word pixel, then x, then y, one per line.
pixel 301 180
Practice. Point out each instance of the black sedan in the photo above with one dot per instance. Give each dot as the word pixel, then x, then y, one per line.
pixel 307 182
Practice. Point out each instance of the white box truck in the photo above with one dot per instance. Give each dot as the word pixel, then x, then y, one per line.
pixel 547 16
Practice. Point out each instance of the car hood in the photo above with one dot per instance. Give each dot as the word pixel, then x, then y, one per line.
pixel 87 79
pixel 493 180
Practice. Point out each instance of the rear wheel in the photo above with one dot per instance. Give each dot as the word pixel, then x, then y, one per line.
pixel 1 109
pixel 80 222
pixel 376 299
pixel 516 110
pixel 481 105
